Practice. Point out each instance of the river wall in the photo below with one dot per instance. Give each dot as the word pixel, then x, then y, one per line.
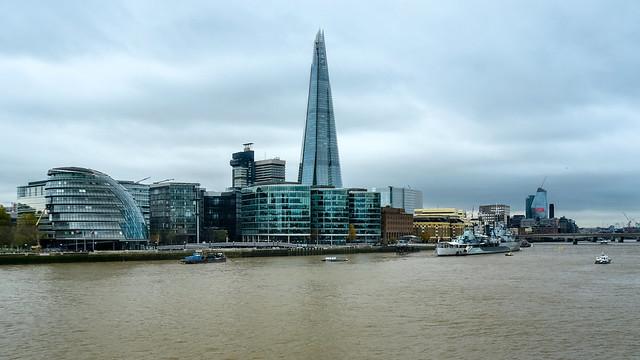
pixel 35 258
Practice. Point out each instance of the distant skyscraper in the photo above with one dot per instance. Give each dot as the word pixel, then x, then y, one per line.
pixel 400 198
pixel 319 162
pixel 527 206
pixel 539 205
pixel 270 171
pixel 243 167
pixel 492 214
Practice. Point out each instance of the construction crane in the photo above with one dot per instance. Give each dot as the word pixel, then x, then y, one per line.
pixel 629 220
pixel 141 180
pixel 543 181
pixel 161 181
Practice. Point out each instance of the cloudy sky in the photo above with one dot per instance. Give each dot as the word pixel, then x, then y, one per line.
pixel 473 102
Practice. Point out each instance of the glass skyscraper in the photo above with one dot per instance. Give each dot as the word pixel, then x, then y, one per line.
pixel 243 165
pixel 400 198
pixel 540 205
pixel 319 162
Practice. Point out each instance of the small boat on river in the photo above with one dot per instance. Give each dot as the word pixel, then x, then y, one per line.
pixel 603 259
pixel 335 259
pixel 199 257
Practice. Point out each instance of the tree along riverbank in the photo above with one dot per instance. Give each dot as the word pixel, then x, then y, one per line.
pixel 50 258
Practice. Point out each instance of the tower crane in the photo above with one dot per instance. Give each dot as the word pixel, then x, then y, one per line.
pixel 629 220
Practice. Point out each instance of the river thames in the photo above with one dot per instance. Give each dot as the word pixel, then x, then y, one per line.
pixel 550 301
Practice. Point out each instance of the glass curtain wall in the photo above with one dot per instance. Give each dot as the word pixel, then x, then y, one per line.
pixel 364 215
pixel 276 213
pixel 89 210
pixel 329 216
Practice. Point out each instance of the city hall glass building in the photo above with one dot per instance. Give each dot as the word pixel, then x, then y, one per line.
pixel 89 210
pixel 319 162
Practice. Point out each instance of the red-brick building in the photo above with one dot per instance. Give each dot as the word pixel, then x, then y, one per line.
pixel 395 223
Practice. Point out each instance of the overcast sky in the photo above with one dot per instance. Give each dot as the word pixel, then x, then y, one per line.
pixel 472 102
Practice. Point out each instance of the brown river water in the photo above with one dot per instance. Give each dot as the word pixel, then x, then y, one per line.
pixel 546 302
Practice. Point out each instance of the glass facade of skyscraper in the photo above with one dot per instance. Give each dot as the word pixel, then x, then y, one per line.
pixel 279 212
pixel 89 210
pixel 175 208
pixel 221 212
pixel 364 215
pixel 527 206
pixel 319 162
pixel 303 214
pixel 243 171
pixel 400 198
pixel 329 215
pixel 540 205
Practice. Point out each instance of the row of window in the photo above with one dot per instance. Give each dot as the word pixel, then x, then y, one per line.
pixel 115 217
pixel 77 200
pixel 88 225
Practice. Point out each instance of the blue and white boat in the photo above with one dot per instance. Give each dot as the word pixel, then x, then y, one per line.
pixel 199 257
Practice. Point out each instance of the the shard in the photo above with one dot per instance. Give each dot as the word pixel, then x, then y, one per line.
pixel 320 163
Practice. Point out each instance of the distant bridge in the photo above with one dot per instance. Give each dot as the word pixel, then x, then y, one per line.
pixel 620 237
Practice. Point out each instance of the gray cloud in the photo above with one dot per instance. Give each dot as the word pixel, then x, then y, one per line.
pixel 473 102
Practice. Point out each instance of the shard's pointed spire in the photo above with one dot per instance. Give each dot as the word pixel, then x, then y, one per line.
pixel 320 163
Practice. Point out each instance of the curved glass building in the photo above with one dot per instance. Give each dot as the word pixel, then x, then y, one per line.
pixel 89 210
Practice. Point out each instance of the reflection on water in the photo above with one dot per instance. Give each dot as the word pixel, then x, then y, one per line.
pixel 549 301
